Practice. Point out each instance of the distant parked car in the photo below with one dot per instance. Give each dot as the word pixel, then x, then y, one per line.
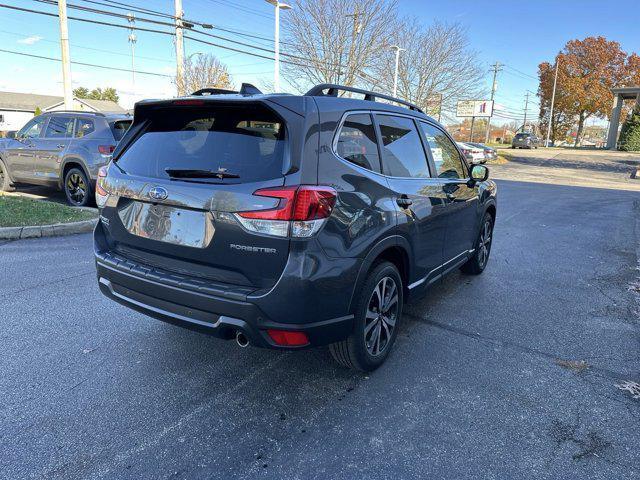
pixel 489 153
pixel 472 153
pixel 63 150
pixel 525 140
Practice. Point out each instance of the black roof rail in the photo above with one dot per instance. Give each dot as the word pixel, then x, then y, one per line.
pixel 100 114
pixel 333 89
pixel 245 89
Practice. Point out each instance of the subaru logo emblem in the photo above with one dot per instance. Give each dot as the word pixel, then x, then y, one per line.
pixel 158 193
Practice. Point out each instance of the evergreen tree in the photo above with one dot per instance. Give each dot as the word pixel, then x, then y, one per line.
pixel 630 133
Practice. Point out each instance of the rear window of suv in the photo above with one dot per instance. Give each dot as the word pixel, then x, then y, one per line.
pixel 247 141
pixel 520 136
pixel 119 128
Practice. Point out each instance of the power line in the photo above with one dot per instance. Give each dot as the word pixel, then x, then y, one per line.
pixel 75 45
pixel 119 15
pixel 142 29
pixel 146 11
pixel 521 72
pixel 42 57
pixel 240 7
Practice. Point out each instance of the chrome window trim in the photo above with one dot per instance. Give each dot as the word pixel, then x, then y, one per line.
pixel 336 134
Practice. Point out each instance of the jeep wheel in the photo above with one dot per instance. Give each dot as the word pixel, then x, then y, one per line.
pixel 376 322
pixel 77 188
pixel 5 181
pixel 476 264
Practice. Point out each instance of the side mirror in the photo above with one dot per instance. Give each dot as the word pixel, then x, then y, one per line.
pixel 11 134
pixel 479 173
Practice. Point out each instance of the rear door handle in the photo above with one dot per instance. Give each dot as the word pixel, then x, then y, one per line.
pixel 60 146
pixel 404 201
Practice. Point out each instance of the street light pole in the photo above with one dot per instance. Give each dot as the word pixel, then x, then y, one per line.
pixel 66 58
pixel 276 72
pixel 553 99
pixel 395 75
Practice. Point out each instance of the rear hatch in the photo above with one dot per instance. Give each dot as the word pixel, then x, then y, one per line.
pixel 183 174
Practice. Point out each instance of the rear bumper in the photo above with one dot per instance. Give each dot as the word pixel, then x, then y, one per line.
pixel 194 311
pixel 218 309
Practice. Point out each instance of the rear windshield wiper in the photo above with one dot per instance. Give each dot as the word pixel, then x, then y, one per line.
pixel 194 173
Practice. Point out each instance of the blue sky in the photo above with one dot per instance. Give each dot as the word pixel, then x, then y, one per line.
pixel 518 34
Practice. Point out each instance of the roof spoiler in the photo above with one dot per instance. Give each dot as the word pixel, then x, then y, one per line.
pixel 333 89
pixel 246 89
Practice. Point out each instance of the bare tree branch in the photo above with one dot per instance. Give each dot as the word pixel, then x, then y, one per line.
pixel 205 72
pixel 437 65
pixel 336 38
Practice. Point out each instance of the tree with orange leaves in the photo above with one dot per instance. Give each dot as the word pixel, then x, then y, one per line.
pixel 587 71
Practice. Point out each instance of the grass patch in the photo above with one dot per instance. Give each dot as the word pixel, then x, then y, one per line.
pixel 24 212
pixel 501 160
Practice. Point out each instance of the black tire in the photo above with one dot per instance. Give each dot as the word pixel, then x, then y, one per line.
pixel 77 188
pixel 373 328
pixel 5 181
pixel 477 263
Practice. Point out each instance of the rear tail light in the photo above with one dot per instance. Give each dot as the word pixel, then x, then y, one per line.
pixel 301 211
pixel 106 149
pixel 101 192
pixel 288 338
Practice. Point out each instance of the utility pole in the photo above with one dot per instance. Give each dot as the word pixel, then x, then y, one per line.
pixel 553 99
pixel 355 31
pixel 179 49
pixel 473 121
pixel 496 68
pixel 66 58
pixel 526 106
pixel 395 76
pixel 132 40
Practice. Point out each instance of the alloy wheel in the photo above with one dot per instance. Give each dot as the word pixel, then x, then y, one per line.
pixel 76 187
pixel 484 243
pixel 381 316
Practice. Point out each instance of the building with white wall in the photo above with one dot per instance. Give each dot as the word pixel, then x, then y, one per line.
pixel 18 108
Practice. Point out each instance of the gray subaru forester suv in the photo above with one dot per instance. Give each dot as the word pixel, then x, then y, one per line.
pixel 63 150
pixel 288 221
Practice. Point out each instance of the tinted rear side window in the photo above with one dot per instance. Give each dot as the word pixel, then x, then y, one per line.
pixel 59 127
pixel 402 152
pixel 357 142
pixel 85 127
pixel 248 141
pixel 119 128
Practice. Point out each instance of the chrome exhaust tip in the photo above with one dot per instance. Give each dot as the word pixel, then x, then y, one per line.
pixel 241 339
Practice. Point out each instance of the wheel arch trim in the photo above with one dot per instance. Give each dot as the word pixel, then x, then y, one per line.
pixel 393 241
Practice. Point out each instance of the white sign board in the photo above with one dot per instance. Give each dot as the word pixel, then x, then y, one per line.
pixel 474 108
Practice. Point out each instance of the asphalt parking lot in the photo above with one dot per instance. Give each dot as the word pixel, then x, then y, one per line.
pixel 511 374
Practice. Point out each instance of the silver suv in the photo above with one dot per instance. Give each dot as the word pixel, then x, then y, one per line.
pixel 63 150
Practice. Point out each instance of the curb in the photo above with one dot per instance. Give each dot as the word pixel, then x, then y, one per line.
pixel 55 230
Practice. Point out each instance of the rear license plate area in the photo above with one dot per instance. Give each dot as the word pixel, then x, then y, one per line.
pixel 166 223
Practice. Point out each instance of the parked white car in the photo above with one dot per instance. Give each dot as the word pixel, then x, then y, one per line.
pixel 473 154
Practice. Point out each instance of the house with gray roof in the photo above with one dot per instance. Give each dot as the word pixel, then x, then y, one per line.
pixel 16 109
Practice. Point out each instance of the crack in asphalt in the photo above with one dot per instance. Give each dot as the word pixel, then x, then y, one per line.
pixel 516 346
pixel 44 284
